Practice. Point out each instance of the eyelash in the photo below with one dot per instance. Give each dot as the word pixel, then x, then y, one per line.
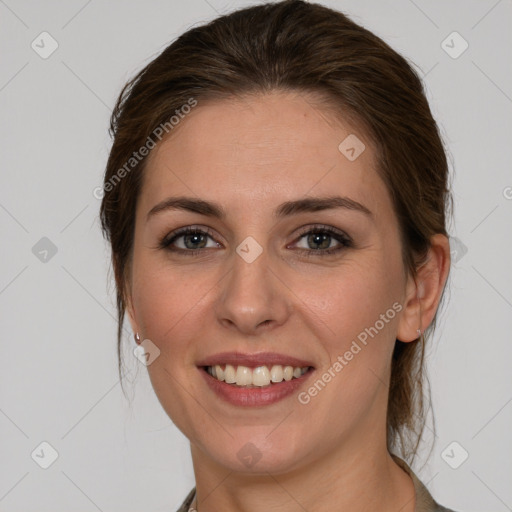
pixel 344 240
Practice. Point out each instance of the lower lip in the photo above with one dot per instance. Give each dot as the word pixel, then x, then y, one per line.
pixel 241 396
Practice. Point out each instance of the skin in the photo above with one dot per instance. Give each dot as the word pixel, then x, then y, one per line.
pixel 250 156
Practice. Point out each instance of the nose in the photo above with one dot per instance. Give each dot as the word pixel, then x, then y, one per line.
pixel 252 297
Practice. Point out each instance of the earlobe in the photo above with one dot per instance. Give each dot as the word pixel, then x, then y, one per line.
pixel 424 291
pixel 410 319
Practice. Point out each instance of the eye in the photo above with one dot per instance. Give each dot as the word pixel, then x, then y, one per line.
pixel 189 239
pixel 319 240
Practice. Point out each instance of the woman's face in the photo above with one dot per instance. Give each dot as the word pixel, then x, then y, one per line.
pixel 267 278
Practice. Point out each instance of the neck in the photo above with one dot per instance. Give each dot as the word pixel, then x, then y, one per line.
pixel 345 479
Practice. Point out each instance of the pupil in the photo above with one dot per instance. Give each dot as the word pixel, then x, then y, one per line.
pixel 320 239
pixel 195 237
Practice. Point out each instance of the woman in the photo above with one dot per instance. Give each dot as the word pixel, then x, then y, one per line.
pixel 276 199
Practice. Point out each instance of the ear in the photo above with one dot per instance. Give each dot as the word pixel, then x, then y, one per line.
pixel 423 293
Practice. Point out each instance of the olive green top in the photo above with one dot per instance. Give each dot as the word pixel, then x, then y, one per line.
pixel 424 500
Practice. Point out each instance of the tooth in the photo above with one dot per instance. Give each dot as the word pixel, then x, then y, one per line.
pixel 229 374
pixel 276 373
pixel 288 372
pixel 243 376
pixel 261 376
pixel 219 372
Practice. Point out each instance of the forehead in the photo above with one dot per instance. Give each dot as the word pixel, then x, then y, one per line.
pixel 278 146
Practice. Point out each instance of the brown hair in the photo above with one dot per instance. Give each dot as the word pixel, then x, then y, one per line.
pixel 297 46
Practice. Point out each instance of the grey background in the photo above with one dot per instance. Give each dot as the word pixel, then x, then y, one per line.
pixel 58 368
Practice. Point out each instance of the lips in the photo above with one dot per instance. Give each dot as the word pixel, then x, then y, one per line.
pixel 253 360
pixel 255 396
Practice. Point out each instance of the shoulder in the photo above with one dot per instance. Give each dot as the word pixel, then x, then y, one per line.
pixel 188 501
pixel 440 508
pixel 424 500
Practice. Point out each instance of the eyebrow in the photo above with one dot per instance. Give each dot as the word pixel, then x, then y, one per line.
pixel 212 209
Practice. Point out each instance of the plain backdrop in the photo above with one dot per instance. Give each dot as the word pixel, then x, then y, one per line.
pixel 58 365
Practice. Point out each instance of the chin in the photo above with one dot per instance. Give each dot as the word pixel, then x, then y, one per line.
pixel 262 452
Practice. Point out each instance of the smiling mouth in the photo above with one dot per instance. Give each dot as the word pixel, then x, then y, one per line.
pixel 258 377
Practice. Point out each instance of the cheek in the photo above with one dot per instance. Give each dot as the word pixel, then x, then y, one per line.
pixel 170 301
pixel 354 315
pixel 351 297
pixel 354 310
pixel 170 307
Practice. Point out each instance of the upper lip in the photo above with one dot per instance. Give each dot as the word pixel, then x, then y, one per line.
pixel 253 360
